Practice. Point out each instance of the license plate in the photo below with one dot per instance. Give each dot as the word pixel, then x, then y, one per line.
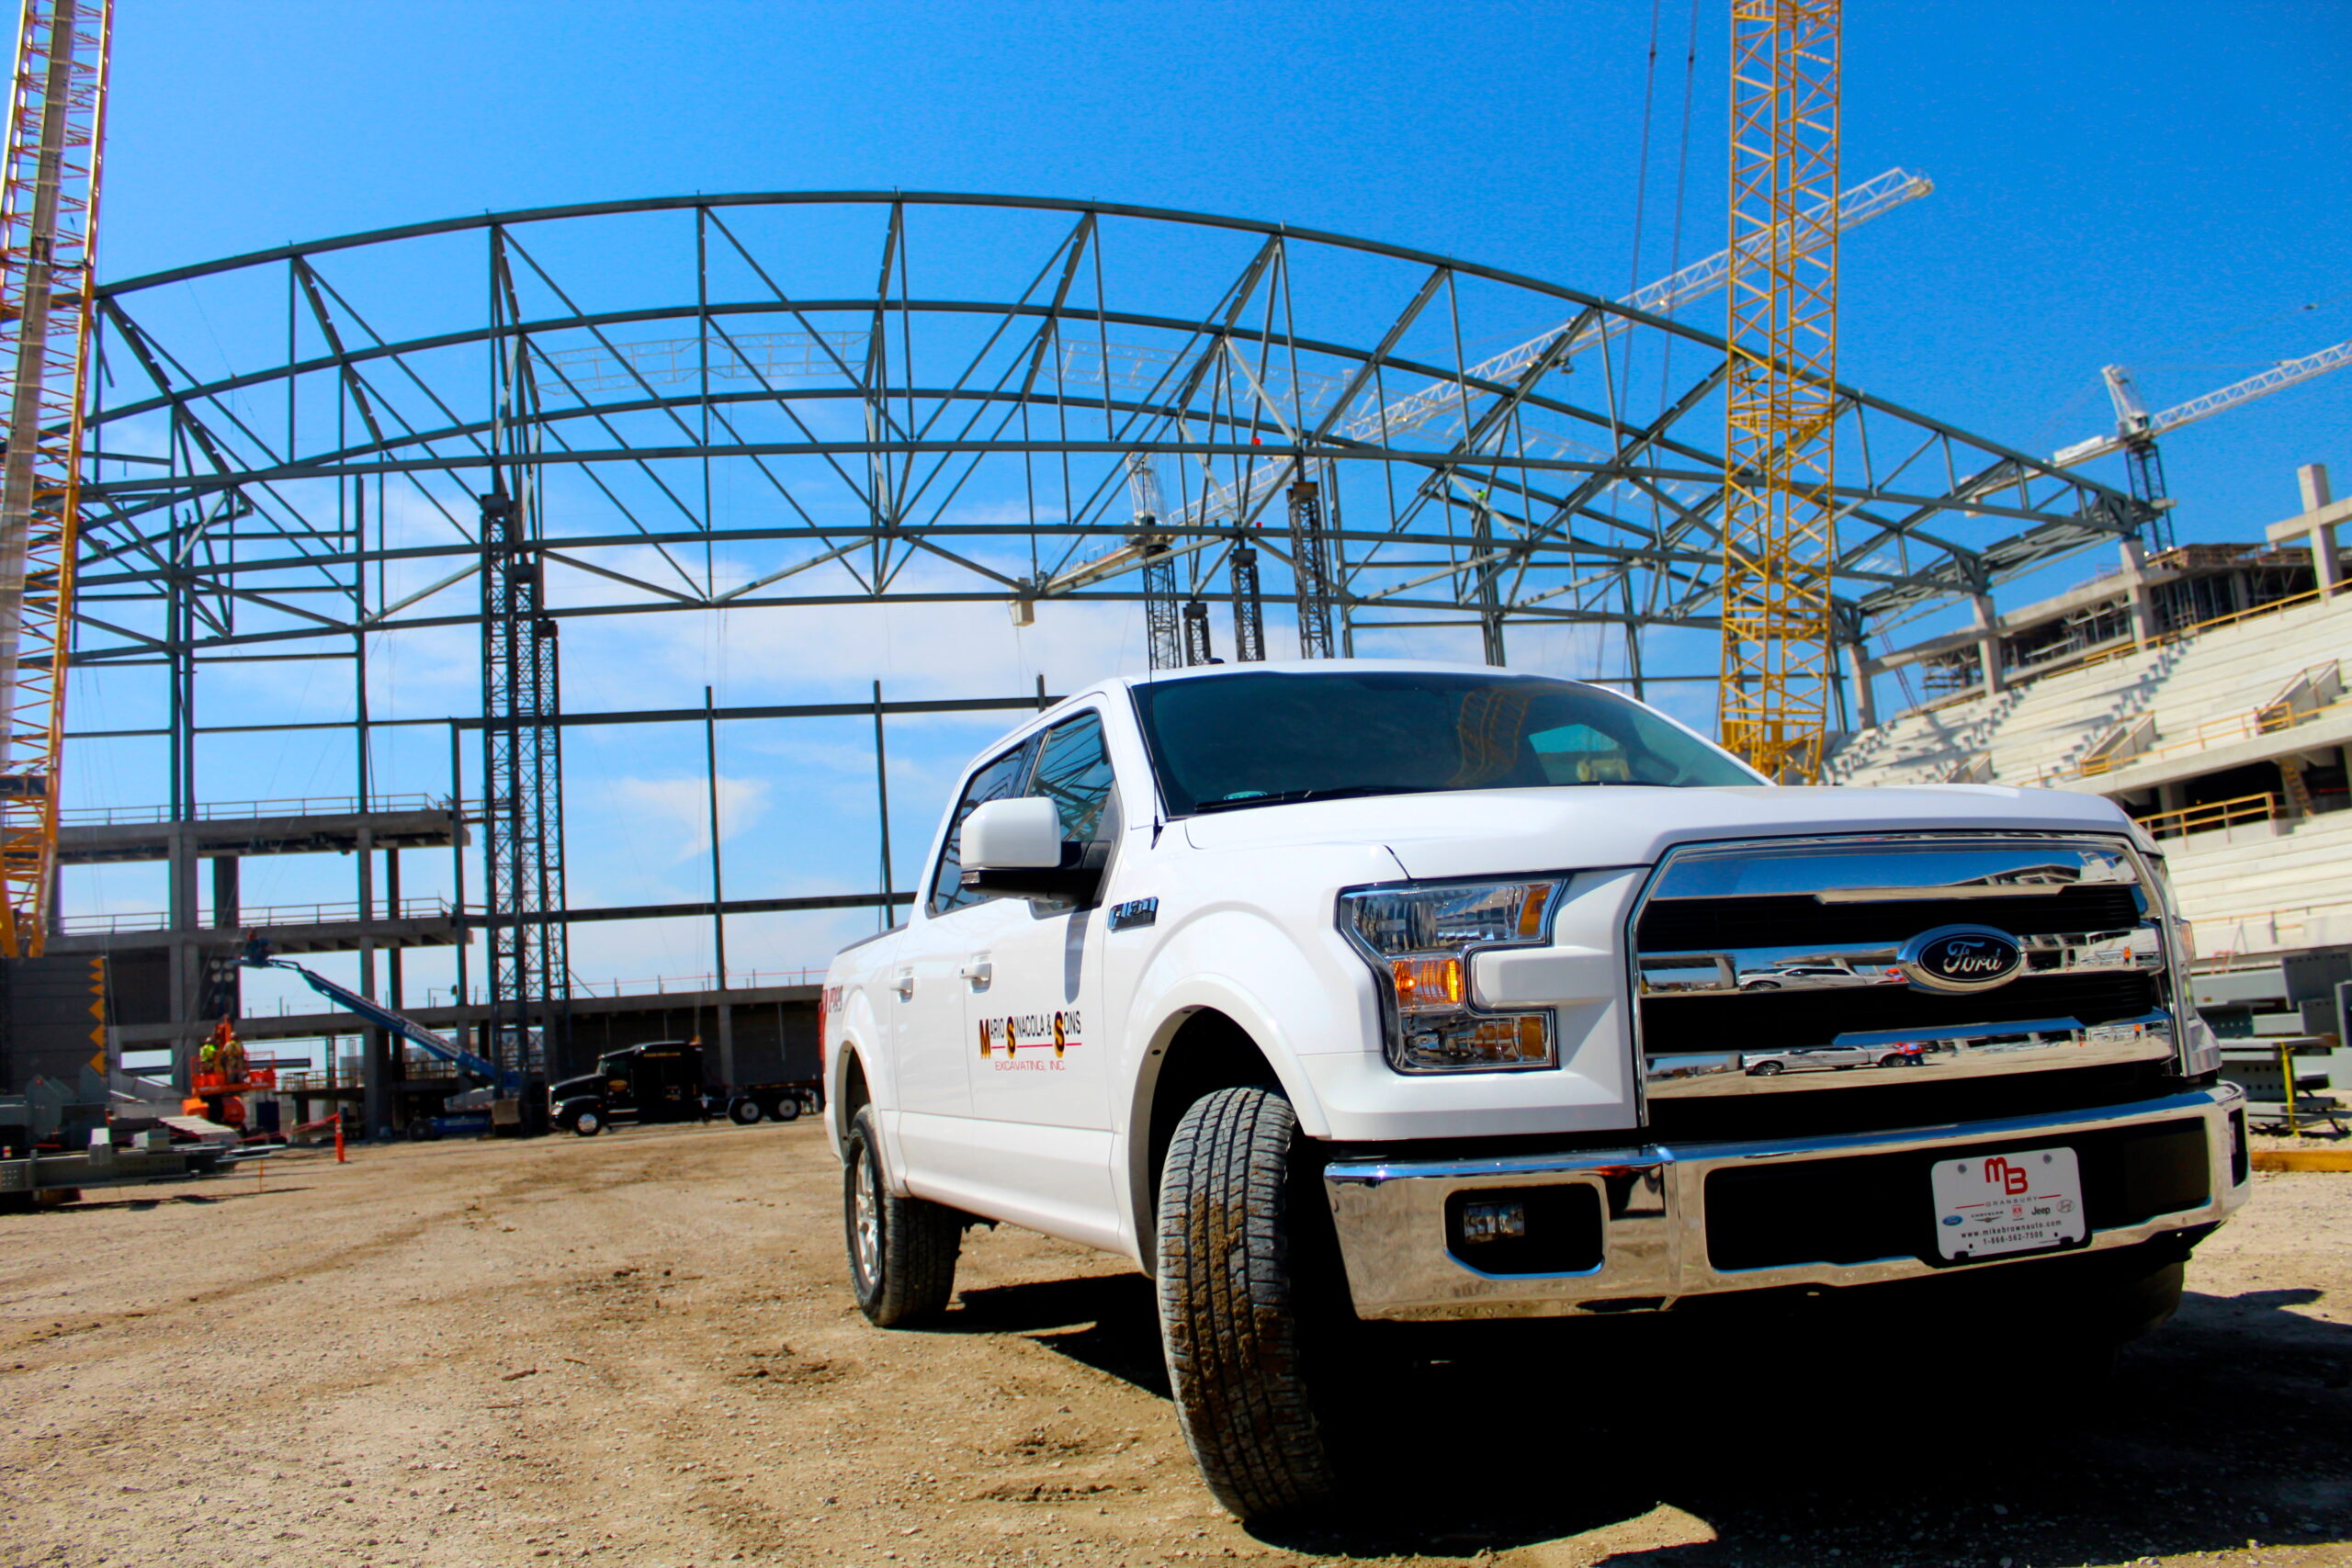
pixel 1991 1205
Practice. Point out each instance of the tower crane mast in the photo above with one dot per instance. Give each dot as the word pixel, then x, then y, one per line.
pixel 49 221
pixel 1780 401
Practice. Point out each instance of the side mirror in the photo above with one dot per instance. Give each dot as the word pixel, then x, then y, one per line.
pixel 1007 835
pixel 1015 848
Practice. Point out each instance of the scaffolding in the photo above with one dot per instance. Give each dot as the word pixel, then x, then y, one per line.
pixel 1310 561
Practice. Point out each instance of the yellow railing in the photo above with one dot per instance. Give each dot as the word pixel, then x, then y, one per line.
pixel 2211 815
pixel 2268 719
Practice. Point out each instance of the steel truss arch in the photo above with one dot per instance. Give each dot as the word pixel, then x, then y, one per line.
pixel 741 401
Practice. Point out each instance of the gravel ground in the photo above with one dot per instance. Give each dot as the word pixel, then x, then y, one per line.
pixel 638 1350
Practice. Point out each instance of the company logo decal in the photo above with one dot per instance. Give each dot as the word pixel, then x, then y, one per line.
pixel 1047 1036
pixel 1135 912
pixel 1960 959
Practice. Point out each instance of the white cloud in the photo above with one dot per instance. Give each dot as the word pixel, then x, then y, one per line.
pixel 677 811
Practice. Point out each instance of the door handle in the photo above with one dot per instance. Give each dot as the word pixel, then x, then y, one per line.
pixel 904 984
pixel 979 971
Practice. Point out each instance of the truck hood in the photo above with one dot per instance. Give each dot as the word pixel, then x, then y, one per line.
pixel 1476 832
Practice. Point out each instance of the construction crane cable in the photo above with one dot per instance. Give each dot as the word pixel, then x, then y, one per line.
pixel 1682 189
pixel 1642 182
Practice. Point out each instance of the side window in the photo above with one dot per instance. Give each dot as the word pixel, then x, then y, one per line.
pixel 997 781
pixel 1074 772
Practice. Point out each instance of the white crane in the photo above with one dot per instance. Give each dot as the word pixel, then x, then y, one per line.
pixel 2136 429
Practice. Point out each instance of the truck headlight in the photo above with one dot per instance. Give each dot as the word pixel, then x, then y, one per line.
pixel 1420 940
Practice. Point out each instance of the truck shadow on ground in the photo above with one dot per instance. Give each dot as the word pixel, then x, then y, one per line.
pixel 1706 1440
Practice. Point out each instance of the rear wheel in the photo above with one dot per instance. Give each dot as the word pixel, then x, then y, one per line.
pixel 1239 1300
pixel 744 1113
pixel 1765 1069
pixel 902 1250
pixel 787 1110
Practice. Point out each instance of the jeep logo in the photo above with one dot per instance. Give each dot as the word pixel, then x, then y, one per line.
pixel 1961 958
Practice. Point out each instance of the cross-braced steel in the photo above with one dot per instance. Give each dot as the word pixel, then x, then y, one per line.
pixel 1310 563
pixel 521 800
pixel 1781 501
pixel 49 207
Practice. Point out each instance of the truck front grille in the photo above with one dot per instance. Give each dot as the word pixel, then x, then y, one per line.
pixel 1790 966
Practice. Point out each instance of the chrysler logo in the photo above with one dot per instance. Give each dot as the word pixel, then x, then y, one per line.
pixel 1961 958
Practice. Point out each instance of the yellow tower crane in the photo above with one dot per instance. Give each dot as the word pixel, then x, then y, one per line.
pixel 1779 448
pixel 48 229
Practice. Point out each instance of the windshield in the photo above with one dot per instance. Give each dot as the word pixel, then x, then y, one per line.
pixel 1225 741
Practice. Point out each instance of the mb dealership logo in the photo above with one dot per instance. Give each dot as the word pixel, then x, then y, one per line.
pixel 1962 959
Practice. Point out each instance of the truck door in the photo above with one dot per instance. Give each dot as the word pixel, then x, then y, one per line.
pixel 1032 979
pixel 927 1049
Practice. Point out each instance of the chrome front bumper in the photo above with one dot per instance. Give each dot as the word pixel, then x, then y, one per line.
pixel 1391 1213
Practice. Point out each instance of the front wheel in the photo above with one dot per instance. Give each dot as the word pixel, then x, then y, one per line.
pixel 902 1250
pixel 1236 1300
pixel 1765 1069
pixel 584 1122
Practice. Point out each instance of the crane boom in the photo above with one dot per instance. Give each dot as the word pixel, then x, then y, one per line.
pixel 49 221
pixel 435 1045
pixel 2277 377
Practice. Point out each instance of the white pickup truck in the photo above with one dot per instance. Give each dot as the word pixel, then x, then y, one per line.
pixel 1359 990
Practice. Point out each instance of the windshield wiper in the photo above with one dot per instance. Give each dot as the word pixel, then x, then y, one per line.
pixel 1291 796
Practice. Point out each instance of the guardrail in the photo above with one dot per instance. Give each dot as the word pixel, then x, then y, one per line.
pixel 2223 940
pixel 2211 815
pixel 2271 718
pixel 234 810
pixel 263 916
pixel 661 984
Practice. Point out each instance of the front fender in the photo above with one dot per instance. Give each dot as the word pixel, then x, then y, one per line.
pixel 1293 999
pixel 1286 998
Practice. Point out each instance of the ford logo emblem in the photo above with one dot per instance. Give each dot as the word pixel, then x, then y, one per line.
pixel 1961 958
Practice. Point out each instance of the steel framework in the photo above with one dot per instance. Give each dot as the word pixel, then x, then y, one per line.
pixel 766 403
pixel 49 217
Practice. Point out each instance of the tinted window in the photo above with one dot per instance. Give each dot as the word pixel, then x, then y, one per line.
pixel 1074 772
pixel 1228 741
pixel 999 780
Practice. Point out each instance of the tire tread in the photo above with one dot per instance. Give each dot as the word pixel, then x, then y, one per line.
pixel 1229 1305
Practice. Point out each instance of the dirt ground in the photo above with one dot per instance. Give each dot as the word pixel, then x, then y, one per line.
pixel 638 1350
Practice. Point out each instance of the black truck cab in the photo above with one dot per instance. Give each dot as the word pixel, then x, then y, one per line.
pixel 658 1081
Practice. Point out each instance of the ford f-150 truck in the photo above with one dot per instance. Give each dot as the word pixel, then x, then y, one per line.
pixel 1363 990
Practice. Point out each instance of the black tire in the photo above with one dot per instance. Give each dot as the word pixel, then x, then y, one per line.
pixel 1236 1307
pixel 1766 1069
pixel 787 1110
pixel 584 1122
pixel 744 1113
pixel 902 1250
pixel 1896 1060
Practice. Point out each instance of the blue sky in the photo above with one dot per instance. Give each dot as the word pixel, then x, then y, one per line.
pixel 2161 184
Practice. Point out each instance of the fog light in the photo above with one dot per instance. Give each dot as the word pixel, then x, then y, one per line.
pixel 1493 1222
